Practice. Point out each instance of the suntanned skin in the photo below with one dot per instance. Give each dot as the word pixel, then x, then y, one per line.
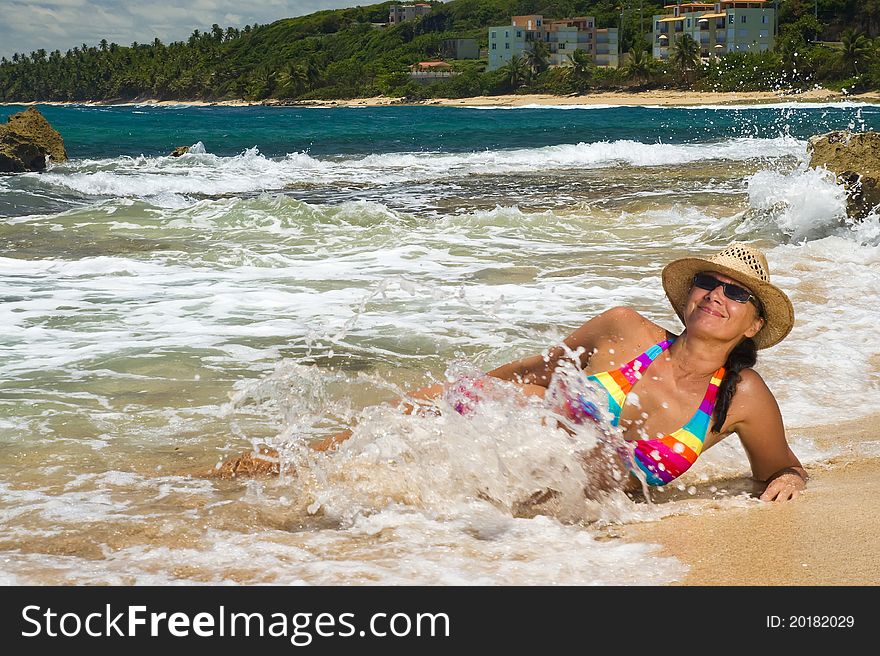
pixel 674 385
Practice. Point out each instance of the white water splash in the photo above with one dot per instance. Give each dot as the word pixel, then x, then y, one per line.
pixel 804 204
pixel 199 172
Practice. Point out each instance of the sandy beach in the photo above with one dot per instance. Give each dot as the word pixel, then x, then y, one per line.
pixel 657 97
pixel 663 98
pixel 828 536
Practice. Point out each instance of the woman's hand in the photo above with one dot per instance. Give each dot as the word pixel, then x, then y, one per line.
pixel 784 485
pixel 760 429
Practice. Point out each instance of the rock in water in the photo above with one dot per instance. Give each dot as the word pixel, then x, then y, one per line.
pixel 26 140
pixel 180 150
pixel 855 158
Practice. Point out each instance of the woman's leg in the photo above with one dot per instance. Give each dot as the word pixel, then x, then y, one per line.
pixel 423 394
pixel 266 461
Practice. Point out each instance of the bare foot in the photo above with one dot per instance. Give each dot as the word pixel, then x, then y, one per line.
pixel 264 463
pixel 330 443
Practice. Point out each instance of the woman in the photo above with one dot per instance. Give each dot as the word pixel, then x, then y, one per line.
pixel 701 381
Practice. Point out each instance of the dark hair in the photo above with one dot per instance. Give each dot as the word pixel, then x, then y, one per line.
pixel 743 356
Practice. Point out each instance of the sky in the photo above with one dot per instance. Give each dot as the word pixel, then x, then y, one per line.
pixel 28 25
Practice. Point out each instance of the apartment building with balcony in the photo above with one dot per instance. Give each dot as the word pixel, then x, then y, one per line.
pixel 399 13
pixel 719 27
pixel 562 37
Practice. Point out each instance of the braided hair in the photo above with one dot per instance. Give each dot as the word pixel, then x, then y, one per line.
pixel 743 356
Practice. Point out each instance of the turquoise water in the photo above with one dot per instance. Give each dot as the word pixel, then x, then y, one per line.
pixel 92 132
pixel 301 270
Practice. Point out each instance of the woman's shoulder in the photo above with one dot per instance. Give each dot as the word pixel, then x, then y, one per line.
pixel 752 397
pixel 622 330
pixel 630 322
pixel 751 385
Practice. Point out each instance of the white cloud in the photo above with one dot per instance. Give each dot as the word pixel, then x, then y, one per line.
pixel 57 3
pixel 63 24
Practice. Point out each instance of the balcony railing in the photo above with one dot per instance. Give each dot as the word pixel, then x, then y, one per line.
pixel 432 74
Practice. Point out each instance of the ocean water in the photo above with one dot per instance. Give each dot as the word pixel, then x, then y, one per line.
pixel 302 269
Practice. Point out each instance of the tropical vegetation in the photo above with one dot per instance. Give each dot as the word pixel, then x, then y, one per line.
pixel 349 53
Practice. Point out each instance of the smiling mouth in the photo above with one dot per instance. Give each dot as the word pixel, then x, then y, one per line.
pixel 710 312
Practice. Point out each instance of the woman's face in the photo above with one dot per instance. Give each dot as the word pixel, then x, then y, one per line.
pixel 711 312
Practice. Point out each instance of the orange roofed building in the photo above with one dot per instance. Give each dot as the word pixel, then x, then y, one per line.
pixel 428 71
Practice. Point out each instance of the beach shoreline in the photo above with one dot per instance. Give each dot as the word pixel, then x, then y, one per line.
pixel 797 542
pixel 657 97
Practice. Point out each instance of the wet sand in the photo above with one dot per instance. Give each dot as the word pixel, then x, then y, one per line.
pixel 828 536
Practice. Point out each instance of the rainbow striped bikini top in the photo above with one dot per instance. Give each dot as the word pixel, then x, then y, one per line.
pixel 666 458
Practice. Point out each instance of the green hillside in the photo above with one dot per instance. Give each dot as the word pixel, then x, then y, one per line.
pixel 348 53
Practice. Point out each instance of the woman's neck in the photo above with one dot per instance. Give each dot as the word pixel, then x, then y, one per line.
pixel 697 359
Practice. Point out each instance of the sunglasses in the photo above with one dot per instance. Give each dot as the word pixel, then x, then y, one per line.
pixel 731 291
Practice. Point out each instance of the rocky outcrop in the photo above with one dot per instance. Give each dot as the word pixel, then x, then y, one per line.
pixel 26 140
pixel 855 158
pixel 180 150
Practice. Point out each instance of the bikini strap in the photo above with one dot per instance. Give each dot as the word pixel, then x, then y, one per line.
pixel 635 368
pixel 708 403
pixel 698 426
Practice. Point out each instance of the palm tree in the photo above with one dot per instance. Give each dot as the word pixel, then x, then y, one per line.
pixel 685 55
pixel 292 81
pixel 855 47
pixel 639 66
pixel 515 72
pixel 536 57
pixel 313 72
pixel 581 68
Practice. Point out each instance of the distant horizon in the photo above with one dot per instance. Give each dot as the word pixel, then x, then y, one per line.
pixel 65 24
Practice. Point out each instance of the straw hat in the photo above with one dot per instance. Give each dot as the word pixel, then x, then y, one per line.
pixel 746 265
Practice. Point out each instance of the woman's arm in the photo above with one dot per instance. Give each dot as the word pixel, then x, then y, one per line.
pixel 538 369
pixel 762 434
pixel 535 370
